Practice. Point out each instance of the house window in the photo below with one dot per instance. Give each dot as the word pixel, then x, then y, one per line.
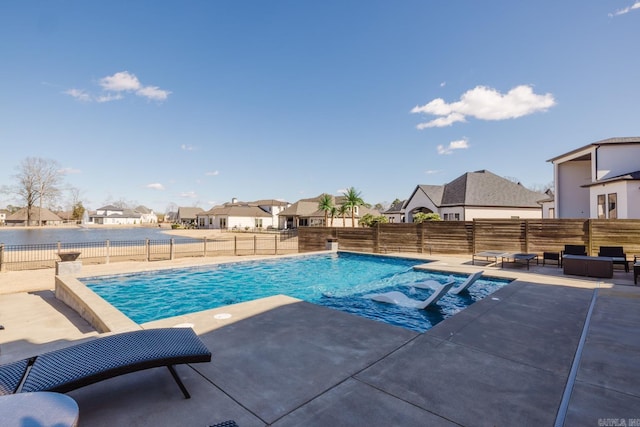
pixel 613 205
pixel 223 222
pixel 457 217
pixel 601 211
pixel 552 213
pixel 303 222
pixel 392 219
pixel 446 217
pixel 258 222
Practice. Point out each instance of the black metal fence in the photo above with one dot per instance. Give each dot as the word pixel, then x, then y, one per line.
pixel 36 256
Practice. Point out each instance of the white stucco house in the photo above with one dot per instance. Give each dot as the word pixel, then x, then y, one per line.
pixel 261 214
pixel 548 205
pixel 113 215
pixel 395 213
pixel 599 180
pixel 475 195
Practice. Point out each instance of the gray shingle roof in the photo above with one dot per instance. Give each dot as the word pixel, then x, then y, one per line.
pixel 36 214
pixel 482 188
pixel 396 207
pixel 189 212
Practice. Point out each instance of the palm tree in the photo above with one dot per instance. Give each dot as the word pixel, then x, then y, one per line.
pixel 325 204
pixel 333 212
pixel 353 200
pixel 342 211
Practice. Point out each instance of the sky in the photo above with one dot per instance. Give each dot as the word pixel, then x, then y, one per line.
pixel 193 103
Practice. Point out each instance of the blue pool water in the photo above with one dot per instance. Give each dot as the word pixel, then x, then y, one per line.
pixel 334 280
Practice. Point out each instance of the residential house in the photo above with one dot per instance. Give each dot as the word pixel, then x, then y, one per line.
pixel 473 195
pixel 147 216
pixel 305 213
pixel 187 216
pixel 599 180
pixel 395 213
pixel 548 205
pixel 241 215
pixel 114 215
pixel 3 216
pixel 36 216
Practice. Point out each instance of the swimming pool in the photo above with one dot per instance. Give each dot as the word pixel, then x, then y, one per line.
pixel 337 280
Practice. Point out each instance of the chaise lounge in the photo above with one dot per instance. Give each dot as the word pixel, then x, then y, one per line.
pixel 398 298
pixel 434 284
pixel 102 358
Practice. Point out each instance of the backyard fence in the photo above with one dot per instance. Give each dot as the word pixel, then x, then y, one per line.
pixel 469 237
pixel 36 256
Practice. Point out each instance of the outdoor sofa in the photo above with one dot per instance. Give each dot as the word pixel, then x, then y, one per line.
pixel 106 357
pixel 572 250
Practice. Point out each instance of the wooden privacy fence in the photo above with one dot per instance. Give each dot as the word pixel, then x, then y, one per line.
pixel 468 237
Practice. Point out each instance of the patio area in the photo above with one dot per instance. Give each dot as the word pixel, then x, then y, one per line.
pixel 279 361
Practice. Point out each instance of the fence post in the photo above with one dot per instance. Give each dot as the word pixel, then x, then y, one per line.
pixel 255 244
pixel 204 246
pixel 2 267
pixel 526 236
pixel 148 246
pixel 171 249
pixel 589 236
pixel 235 245
pixel 108 247
pixel 274 237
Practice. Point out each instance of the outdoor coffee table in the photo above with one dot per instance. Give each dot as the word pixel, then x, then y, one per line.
pixel 519 257
pixel 487 255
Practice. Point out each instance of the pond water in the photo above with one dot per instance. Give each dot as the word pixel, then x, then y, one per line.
pixel 33 236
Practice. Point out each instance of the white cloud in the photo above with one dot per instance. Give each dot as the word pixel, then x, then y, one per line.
pixel 461 144
pixel 78 94
pixel 155 186
pixel 114 88
pixel 187 147
pixel 431 171
pixel 122 81
pixel 627 9
pixel 485 103
pixel 189 194
pixel 153 92
pixel 212 173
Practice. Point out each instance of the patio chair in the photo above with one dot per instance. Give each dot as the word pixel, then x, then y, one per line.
pixel 102 358
pixel 617 253
pixel 573 250
pixel 398 298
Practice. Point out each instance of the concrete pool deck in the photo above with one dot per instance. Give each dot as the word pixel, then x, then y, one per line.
pixel 278 361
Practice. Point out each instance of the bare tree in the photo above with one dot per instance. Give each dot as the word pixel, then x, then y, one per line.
pixel 38 182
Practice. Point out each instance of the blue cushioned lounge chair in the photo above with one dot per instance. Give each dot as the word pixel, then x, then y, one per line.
pixel 106 357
